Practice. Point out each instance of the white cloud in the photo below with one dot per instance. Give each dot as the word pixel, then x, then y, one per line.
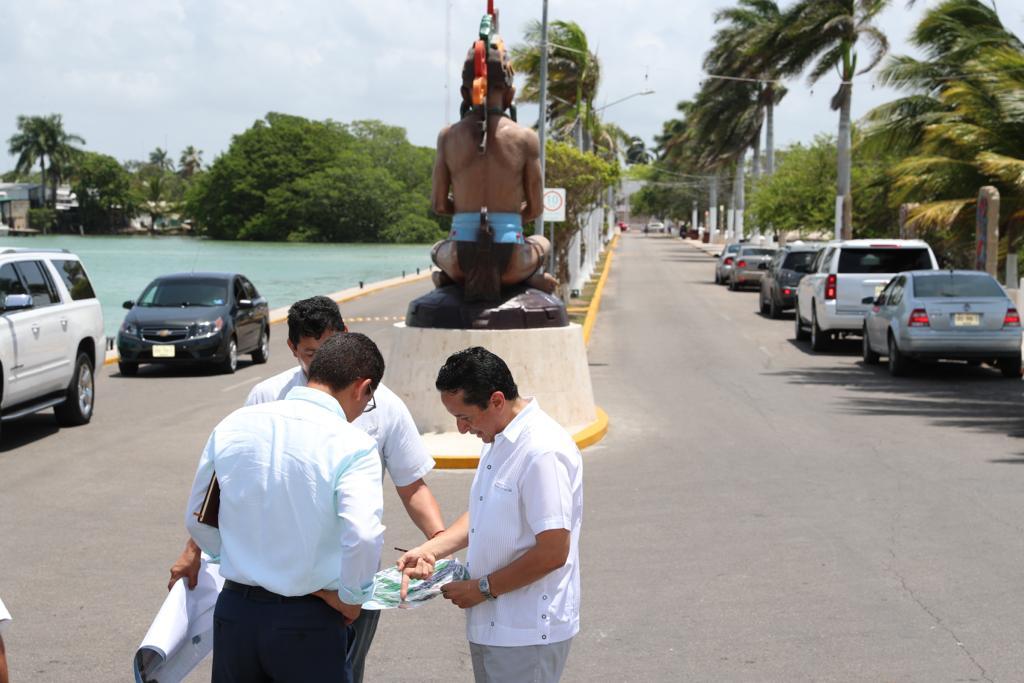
pixel 132 75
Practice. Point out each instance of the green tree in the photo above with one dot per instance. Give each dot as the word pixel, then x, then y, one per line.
pixel 161 159
pixel 191 162
pixel 43 139
pixel 823 35
pixel 104 191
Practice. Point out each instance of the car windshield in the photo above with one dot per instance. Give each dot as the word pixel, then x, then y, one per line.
pixel 956 285
pixel 752 251
pixel 732 248
pixel 190 292
pixel 883 260
pixel 799 259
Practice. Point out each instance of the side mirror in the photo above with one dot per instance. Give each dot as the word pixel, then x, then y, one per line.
pixel 17 302
pixel 868 300
pixel 128 304
pixel 245 303
pixel 717 254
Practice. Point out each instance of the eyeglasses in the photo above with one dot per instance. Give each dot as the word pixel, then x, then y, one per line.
pixel 371 406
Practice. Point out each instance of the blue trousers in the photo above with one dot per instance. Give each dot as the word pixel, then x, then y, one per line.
pixel 261 640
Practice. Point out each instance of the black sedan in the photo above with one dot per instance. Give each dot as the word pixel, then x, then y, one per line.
pixel 195 317
pixel 778 286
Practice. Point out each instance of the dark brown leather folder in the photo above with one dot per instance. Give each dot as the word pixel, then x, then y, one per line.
pixel 209 511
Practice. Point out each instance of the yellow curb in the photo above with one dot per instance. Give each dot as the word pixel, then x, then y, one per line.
pixel 595 303
pixel 340 297
pixel 586 437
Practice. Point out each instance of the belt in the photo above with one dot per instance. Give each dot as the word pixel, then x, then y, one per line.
pixel 262 594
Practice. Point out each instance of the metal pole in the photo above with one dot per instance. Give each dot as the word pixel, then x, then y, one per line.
pixel 542 127
pixel 448 63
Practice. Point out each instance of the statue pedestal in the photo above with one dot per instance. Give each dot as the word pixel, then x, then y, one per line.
pixel 548 363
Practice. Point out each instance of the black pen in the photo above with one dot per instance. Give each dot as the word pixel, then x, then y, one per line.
pixel 401 550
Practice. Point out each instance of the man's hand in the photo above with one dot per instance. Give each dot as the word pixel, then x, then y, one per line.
pixel 463 594
pixel 187 565
pixel 350 612
pixel 415 564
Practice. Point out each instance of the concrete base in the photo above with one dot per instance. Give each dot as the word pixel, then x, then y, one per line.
pixel 549 364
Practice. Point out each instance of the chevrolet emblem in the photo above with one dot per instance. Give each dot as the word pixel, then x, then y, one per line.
pixel 164 333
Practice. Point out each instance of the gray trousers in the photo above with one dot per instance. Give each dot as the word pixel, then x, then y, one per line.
pixel 360 637
pixel 523 664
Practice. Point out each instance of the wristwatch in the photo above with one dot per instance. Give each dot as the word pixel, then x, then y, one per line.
pixel 485 588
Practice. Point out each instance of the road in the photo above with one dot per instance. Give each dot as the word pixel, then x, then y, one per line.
pixel 756 513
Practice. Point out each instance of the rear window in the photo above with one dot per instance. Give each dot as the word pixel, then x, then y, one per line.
pixel 75 279
pixel 956 285
pixel 799 258
pixel 732 248
pixel 191 292
pixel 752 251
pixel 883 260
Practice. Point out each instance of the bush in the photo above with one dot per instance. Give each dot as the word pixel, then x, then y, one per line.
pixel 42 219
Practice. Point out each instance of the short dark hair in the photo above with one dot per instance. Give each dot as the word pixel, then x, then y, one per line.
pixel 312 317
pixel 345 358
pixel 478 373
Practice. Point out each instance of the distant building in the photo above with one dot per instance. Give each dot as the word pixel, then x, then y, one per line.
pixel 15 201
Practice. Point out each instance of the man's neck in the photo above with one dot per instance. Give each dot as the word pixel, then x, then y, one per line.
pixel 514 408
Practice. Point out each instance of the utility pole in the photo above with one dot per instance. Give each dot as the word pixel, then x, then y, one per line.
pixel 448 63
pixel 542 127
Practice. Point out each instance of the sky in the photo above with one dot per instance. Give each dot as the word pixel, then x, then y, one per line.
pixel 133 75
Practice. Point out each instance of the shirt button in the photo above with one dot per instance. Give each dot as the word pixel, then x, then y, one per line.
pixel 545 597
pixel 481 497
pixel 472 531
pixel 543 637
pixel 492 623
pixel 488 467
pixel 543 616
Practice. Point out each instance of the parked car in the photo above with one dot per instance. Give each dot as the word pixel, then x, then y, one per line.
pixel 829 299
pixel 52 336
pixel 948 315
pixel 723 267
pixel 750 266
pixel 787 268
pixel 205 317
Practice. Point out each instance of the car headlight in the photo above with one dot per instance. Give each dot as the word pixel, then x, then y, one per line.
pixel 129 329
pixel 208 328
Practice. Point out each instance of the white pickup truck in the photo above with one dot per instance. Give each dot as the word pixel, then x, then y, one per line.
pixel 830 298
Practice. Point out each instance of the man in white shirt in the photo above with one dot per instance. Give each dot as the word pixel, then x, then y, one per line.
pixel 522 528
pixel 5 619
pixel 299 533
pixel 403 454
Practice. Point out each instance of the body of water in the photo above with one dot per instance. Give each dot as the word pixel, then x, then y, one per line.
pixel 120 267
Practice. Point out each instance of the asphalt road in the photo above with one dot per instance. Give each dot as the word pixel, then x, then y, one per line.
pixel 756 513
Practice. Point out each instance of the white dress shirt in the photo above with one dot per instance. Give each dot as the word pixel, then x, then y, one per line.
pixel 528 481
pixel 5 616
pixel 300 501
pixel 402 451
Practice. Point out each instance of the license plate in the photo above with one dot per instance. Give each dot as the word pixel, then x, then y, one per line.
pixel 163 351
pixel 966 319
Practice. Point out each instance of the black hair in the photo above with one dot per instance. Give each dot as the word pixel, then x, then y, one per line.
pixel 345 358
pixel 478 373
pixel 312 317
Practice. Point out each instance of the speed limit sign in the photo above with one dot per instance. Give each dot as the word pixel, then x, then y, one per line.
pixel 554 204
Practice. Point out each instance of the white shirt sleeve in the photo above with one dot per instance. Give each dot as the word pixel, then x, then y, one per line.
pixel 547 493
pixel 5 616
pixel 359 500
pixel 405 454
pixel 205 536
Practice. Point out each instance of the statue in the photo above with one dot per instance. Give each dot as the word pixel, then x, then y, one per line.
pixel 488 178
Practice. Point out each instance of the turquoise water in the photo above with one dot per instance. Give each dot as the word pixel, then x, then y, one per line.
pixel 120 267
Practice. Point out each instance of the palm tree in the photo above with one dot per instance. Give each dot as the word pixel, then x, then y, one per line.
pixel 962 124
pixel 41 139
pixel 825 33
pixel 191 162
pixel 574 73
pixel 161 159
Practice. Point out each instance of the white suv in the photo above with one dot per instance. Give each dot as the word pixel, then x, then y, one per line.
pixel 51 336
pixel 830 298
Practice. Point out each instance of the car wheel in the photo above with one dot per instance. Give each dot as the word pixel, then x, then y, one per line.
pixel 799 333
pixel 764 306
pixel 128 369
pixel 81 395
pixel 1010 367
pixel 819 338
pixel 899 364
pixel 230 362
pixel 262 352
pixel 773 309
pixel 718 278
pixel 870 356
pixel 733 286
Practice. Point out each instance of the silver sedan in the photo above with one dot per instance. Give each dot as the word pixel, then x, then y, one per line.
pixel 952 315
pixel 724 264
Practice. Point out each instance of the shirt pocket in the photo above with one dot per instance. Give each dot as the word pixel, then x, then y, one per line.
pixel 502 487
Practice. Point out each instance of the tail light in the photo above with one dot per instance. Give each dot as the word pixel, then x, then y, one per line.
pixel 919 318
pixel 741 264
pixel 787 291
pixel 1012 318
pixel 728 261
pixel 830 288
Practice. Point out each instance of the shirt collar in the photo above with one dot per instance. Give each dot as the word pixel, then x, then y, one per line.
pixel 514 428
pixel 317 397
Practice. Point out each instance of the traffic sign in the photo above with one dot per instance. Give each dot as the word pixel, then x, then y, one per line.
pixel 554 204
